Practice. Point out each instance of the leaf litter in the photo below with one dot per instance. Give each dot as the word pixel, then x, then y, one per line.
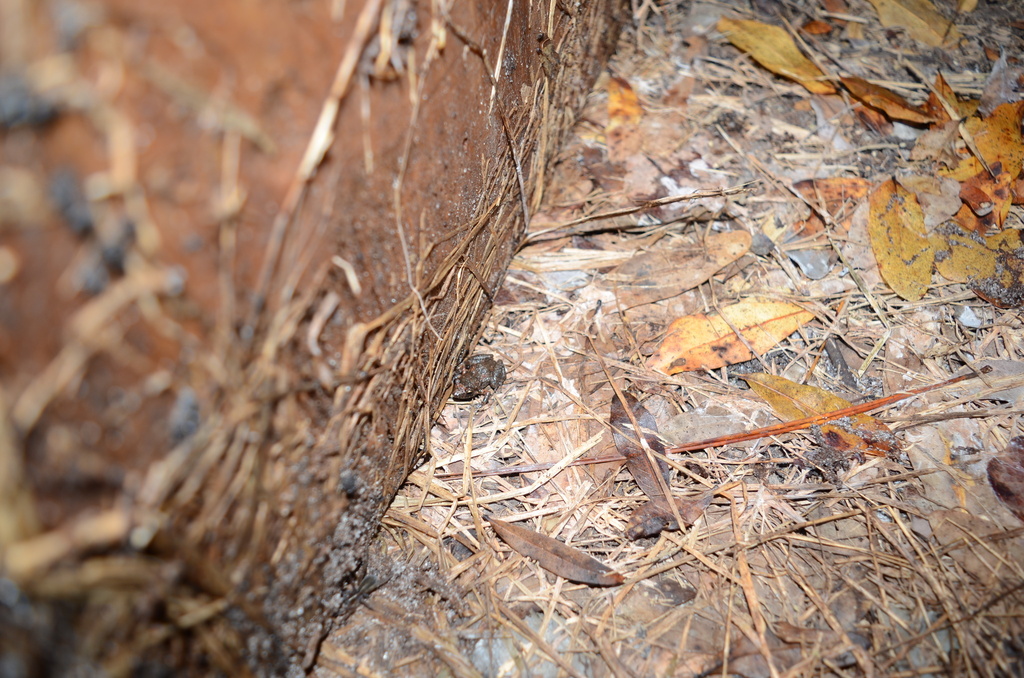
pixel 886 542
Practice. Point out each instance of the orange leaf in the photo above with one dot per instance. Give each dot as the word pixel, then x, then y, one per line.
pixel 999 141
pixel 1005 287
pixel 892 104
pixel 554 556
pixel 774 49
pixel 624 114
pixel 858 434
pixel 898 239
pixel 702 342
pixel 836 196
pixel 815 27
pixel 920 18
pixel 932 106
pixel 986 194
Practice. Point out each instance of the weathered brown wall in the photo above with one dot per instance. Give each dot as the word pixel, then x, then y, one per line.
pixel 310 422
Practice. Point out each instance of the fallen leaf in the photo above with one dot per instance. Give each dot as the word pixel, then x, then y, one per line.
pixel 898 239
pixel 986 194
pixel 702 342
pixel 773 48
pixel 653 276
pixel 973 223
pixel 938 143
pixel 835 196
pixel 554 556
pixel 650 472
pixel 856 435
pixel 961 255
pixel 998 138
pixel 815 27
pixel 939 197
pixel 892 104
pixel 920 19
pixel 949 101
pixel 1005 287
pixel 993 266
pixel 1006 475
pixel 622 133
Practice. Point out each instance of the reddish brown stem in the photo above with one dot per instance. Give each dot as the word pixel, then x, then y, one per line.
pixel 784 427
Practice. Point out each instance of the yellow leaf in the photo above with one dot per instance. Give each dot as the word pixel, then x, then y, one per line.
pixel 854 435
pixel 702 342
pixel 772 47
pixel 920 19
pixel 993 266
pixel 998 139
pixel 790 400
pixel 898 239
pixel 961 256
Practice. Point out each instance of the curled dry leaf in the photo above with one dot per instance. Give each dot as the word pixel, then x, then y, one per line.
pixel 653 276
pixel 988 195
pixel 899 241
pixel 702 342
pixel 1006 475
pixel 855 435
pixel 556 557
pixel 773 48
pixel 942 99
pixel 920 19
pixel 887 101
pixel 650 472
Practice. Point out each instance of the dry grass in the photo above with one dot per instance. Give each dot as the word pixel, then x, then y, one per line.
pixel 803 565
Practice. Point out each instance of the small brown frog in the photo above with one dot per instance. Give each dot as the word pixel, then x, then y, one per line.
pixel 478 375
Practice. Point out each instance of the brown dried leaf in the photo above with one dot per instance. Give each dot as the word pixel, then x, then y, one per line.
pixel 657 514
pixel 986 195
pixel 774 49
pixel 855 435
pixel 699 341
pixel 653 276
pixel 836 196
pixel 554 556
pixel 640 464
pixel 934 107
pixel 815 27
pixel 920 18
pixel 899 241
pixel 939 197
pixel 1006 475
pixel 999 140
pixel 892 104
